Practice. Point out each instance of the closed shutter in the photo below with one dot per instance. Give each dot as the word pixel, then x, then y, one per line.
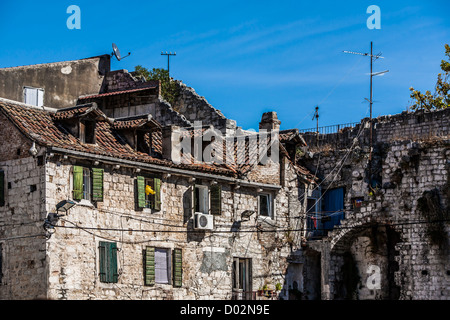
pixel 216 199
pixel 177 268
pixel 40 97
pixel 113 275
pixel 157 196
pixel 77 183
pixel 141 192
pixel 108 262
pixel 2 188
pixel 97 184
pixel 149 271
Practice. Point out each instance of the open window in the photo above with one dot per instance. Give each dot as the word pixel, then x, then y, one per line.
pixel 87 183
pixel 242 278
pixel 208 199
pixel 163 266
pixel 149 192
pixel 87 131
pixel 266 205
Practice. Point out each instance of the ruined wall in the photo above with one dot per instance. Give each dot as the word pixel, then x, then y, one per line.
pixel 196 108
pixel 410 169
pixel 22 238
pixel 63 82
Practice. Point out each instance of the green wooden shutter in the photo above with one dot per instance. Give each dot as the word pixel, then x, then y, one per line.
pixel 2 189
pixel 77 183
pixel 141 192
pixel 149 271
pixel 157 195
pixel 177 268
pixel 102 260
pixel 97 184
pixel 216 199
pixel 108 262
pixel 113 275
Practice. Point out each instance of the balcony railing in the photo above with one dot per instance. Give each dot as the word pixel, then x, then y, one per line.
pixel 254 295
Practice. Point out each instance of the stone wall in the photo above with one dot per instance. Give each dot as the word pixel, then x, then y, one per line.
pixel 195 108
pixel 207 255
pixel 410 172
pixel 63 82
pixel 22 237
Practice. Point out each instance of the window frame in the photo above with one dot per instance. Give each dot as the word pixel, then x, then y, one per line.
pixel 167 265
pixel 206 203
pixel 271 202
pixel 90 190
pixel 108 262
pixel 36 103
pixel 173 266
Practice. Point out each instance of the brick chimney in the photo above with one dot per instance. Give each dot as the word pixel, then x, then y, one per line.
pixel 269 121
pixel 171 146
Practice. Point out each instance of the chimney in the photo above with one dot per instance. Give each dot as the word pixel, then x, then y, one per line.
pixel 269 121
pixel 171 147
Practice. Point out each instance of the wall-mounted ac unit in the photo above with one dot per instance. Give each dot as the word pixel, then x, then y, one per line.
pixel 203 221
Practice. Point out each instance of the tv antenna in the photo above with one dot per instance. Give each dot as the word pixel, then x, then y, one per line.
pixel 372 74
pixel 316 116
pixel 116 53
pixel 168 54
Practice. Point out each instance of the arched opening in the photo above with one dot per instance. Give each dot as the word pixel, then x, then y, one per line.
pixel 363 264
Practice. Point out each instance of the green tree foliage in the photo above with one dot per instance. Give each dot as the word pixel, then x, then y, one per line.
pixel 441 97
pixel 168 87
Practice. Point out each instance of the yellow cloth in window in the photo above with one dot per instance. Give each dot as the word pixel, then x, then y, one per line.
pixel 149 190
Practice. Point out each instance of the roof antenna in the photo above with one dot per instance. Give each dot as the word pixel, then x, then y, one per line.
pixel 316 116
pixel 116 53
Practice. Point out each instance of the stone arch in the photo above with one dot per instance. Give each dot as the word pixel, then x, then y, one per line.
pixel 362 261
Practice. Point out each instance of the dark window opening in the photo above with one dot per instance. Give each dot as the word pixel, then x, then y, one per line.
pixel 143 142
pixel 87 132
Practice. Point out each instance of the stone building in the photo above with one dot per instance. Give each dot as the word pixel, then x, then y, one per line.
pixel 92 205
pixel 381 216
pixel 98 202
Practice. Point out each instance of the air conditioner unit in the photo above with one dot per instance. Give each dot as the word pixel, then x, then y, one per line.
pixel 203 221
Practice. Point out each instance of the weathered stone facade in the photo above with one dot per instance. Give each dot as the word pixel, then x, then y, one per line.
pixel 400 224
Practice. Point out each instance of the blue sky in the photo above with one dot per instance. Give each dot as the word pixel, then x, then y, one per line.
pixel 249 57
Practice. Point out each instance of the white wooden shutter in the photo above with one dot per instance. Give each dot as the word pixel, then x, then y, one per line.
pixel 40 97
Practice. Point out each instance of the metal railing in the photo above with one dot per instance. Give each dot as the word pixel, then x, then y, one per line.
pixel 330 129
pixel 253 295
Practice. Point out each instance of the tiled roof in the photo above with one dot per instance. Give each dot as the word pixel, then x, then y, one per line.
pixel 135 122
pixel 77 111
pixel 42 127
pixel 48 129
pixel 114 93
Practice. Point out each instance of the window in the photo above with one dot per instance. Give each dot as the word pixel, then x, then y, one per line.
pixel 201 199
pixel 2 188
pixel 159 269
pixel 108 262
pixel 311 214
pixel 149 193
pixel 333 207
pixel 266 205
pixel 206 197
pixel 87 183
pixel 33 96
pixel 87 132
pixel 242 278
pixel 143 141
